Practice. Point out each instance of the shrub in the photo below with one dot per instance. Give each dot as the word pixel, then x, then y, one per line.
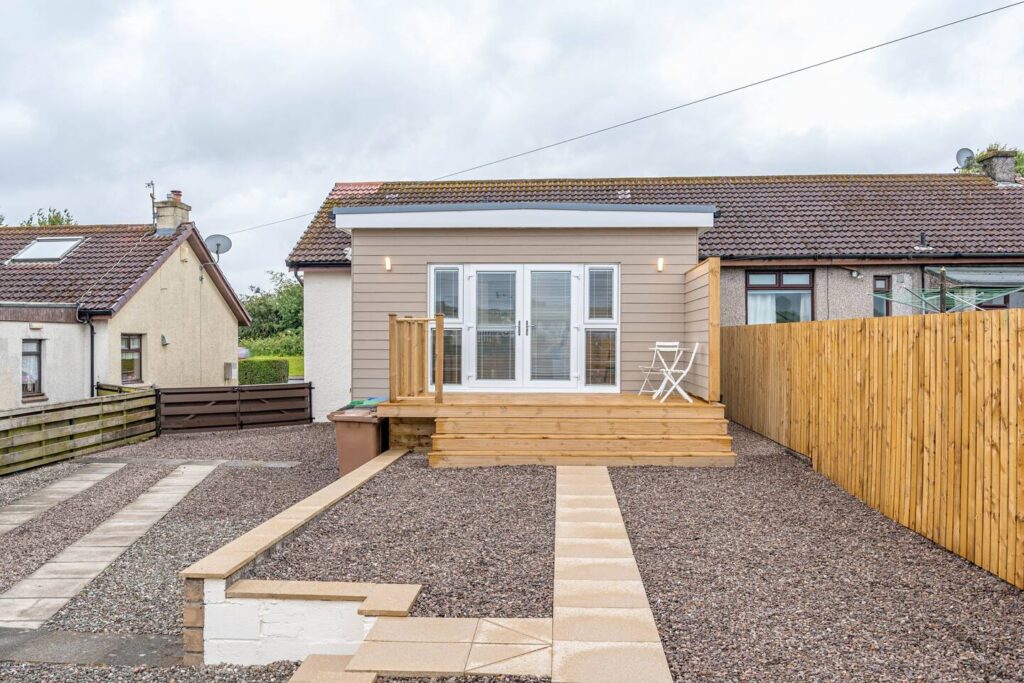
pixel 287 343
pixel 263 371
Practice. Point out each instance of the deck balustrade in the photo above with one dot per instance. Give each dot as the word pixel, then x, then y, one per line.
pixel 409 356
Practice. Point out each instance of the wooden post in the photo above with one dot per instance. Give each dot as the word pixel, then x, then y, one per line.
pixel 439 358
pixel 392 356
pixel 714 329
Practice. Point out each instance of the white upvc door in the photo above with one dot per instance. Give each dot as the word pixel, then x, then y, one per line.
pixel 533 327
pixel 494 301
pixel 553 301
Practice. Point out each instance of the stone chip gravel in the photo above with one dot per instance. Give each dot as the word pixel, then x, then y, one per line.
pixel 141 591
pixel 27 547
pixel 480 540
pixel 768 571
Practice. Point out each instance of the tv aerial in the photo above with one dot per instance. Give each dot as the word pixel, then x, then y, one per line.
pixel 218 244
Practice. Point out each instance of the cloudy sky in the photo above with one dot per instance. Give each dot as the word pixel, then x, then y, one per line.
pixel 254 108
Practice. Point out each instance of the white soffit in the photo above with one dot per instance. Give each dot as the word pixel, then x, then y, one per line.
pixel 522 215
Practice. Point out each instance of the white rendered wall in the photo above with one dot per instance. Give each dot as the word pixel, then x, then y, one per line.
pixel 249 631
pixel 327 341
pixel 65 361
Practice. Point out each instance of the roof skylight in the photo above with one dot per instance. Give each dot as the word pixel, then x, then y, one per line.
pixel 47 249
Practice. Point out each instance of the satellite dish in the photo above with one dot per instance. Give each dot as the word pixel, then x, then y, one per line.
pixel 964 157
pixel 218 244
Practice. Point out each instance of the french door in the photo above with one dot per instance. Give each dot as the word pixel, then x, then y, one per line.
pixel 528 327
pixel 523 325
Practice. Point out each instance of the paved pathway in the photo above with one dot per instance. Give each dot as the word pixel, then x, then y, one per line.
pixel 71 647
pixel 31 506
pixel 603 629
pixel 33 600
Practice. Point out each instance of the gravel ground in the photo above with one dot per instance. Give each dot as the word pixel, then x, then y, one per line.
pixel 141 592
pixel 65 673
pixel 769 572
pixel 19 484
pixel 480 540
pixel 274 443
pixel 26 548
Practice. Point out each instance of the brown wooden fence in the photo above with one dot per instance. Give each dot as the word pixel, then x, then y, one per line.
pixel 241 407
pixel 30 437
pixel 918 416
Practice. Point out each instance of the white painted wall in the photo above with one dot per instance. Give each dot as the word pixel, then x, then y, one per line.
pixel 327 341
pixel 259 631
pixel 65 361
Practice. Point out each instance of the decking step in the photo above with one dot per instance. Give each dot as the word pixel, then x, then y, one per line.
pixel 609 443
pixel 645 410
pixel 493 458
pixel 583 425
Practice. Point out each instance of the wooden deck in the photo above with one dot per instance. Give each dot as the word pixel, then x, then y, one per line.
pixel 483 429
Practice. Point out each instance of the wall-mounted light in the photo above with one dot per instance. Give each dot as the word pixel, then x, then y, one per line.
pixel 387 263
pixel 856 274
pixel 661 263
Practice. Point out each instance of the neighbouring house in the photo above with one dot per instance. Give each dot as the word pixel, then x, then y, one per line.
pixel 119 304
pixel 599 266
pixel 798 248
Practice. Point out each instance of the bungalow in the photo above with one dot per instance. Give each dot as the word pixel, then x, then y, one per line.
pixel 118 304
pixel 564 285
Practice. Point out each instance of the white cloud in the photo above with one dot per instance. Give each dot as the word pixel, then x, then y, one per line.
pixel 254 109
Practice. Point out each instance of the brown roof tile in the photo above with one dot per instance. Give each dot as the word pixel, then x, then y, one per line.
pixel 102 271
pixel 810 215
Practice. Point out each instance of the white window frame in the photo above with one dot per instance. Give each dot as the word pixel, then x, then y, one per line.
pixel 612 323
pixel 20 257
pixel 614 320
pixel 449 323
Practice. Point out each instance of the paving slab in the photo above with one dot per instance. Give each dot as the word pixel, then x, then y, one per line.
pixel 411 659
pixel 509 660
pixel 35 504
pixel 34 599
pixel 107 649
pixel 609 662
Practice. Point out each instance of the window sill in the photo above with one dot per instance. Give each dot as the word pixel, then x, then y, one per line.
pixel 37 398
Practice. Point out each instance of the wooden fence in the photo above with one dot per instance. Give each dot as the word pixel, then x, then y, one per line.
pixel 918 416
pixel 241 407
pixel 701 325
pixel 30 437
pixel 409 357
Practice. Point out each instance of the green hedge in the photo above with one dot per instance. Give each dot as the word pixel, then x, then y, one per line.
pixel 288 343
pixel 263 371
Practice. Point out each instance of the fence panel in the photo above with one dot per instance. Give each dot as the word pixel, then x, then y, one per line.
pixel 30 437
pixel 241 407
pixel 918 416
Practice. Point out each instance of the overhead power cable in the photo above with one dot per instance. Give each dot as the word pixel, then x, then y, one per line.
pixel 730 91
pixel 691 103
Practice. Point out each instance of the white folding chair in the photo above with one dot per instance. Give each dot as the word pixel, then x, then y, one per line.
pixel 673 379
pixel 666 355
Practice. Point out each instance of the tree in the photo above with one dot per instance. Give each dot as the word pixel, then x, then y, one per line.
pixel 274 310
pixel 51 216
pixel 974 167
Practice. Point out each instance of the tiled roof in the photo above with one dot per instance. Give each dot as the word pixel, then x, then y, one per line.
pixel 810 215
pixel 96 273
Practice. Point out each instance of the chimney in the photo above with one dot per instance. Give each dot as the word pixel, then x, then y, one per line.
pixel 998 164
pixel 172 212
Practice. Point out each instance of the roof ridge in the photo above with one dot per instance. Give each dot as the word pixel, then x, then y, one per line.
pixel 695 178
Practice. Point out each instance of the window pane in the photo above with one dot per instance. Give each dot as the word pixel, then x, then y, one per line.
pixel 761 278
pixel 446 292
pixel 601 292
pixel 880 309
pixel 550 325
pixel 30 373
pixel 30 346
pixel 47 249
pixel 496 326
pixel 452 356
pixel 601 356
pixel 778 307
pixel 882 284
pixel 796 279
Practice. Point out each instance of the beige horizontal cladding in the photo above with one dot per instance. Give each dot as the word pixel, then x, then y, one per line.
pixel 652 303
